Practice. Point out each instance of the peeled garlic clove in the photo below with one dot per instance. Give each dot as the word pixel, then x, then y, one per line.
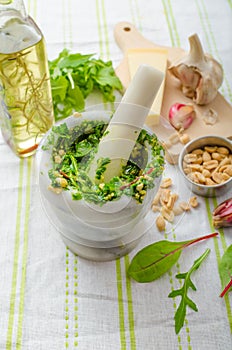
pixel 199 73
pixel 181 115
pixel 222 214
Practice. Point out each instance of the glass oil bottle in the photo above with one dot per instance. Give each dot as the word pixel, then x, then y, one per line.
pixel 26 109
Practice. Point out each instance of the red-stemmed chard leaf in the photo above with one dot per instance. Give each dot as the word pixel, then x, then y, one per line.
pixel 225 271
pixel 156 259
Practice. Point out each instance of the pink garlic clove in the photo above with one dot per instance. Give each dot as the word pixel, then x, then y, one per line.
pixel 181 115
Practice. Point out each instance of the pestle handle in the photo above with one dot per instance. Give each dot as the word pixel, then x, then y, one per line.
pixel 127 121
pixel 144 86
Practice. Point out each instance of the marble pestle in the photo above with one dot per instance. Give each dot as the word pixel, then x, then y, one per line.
pixel 126 123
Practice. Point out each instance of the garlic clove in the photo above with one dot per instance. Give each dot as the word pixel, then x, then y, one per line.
pixel 181 115
pixel 189 77
pixel 200 74
pixel 206 90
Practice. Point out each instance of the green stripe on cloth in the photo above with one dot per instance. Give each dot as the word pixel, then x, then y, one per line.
pixel 71 259
pixel 105 53
pixel 16 258
pixel 35 9
pixel 166 13
pixel 170 274
pixel 130 305
pixel 134 9
pixel 218 257
pixel 120 305
pixel 25 253
pixel 32 8
pixel 106 39
pixel 75 260
pixel 64 5
pixel 175 40
pixel 132 12
pixel 230 3
pixel 66 311
pixel 25 231
pixel 75 293
pixel 71 300
pixel 29 7
pixel 171 23
pixel 69 24
pixel 174 27
pixel 99 28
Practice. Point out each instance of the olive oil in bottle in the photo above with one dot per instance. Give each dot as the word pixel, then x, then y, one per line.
pixel 26 110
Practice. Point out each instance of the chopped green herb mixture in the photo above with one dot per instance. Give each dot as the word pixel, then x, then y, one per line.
pixel 73 150
pixel 75 76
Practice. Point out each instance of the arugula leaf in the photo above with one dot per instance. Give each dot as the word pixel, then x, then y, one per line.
pixel 75 76
pixel 106 77
pixel 225 271
pixel 183 291
pixel 73 60
pixel 75 97
pixel 156 259
pixel 59 87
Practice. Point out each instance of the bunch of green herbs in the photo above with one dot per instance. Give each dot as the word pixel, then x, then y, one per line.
pixel 75 76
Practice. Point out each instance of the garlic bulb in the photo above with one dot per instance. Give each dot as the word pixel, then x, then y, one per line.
pixel 199 73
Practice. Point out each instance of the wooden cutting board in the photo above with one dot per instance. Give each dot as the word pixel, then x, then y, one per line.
pixel 127 37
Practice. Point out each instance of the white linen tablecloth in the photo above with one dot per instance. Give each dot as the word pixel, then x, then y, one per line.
pixel 51 299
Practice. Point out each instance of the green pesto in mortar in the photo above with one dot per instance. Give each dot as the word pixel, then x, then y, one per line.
pixel 73 150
